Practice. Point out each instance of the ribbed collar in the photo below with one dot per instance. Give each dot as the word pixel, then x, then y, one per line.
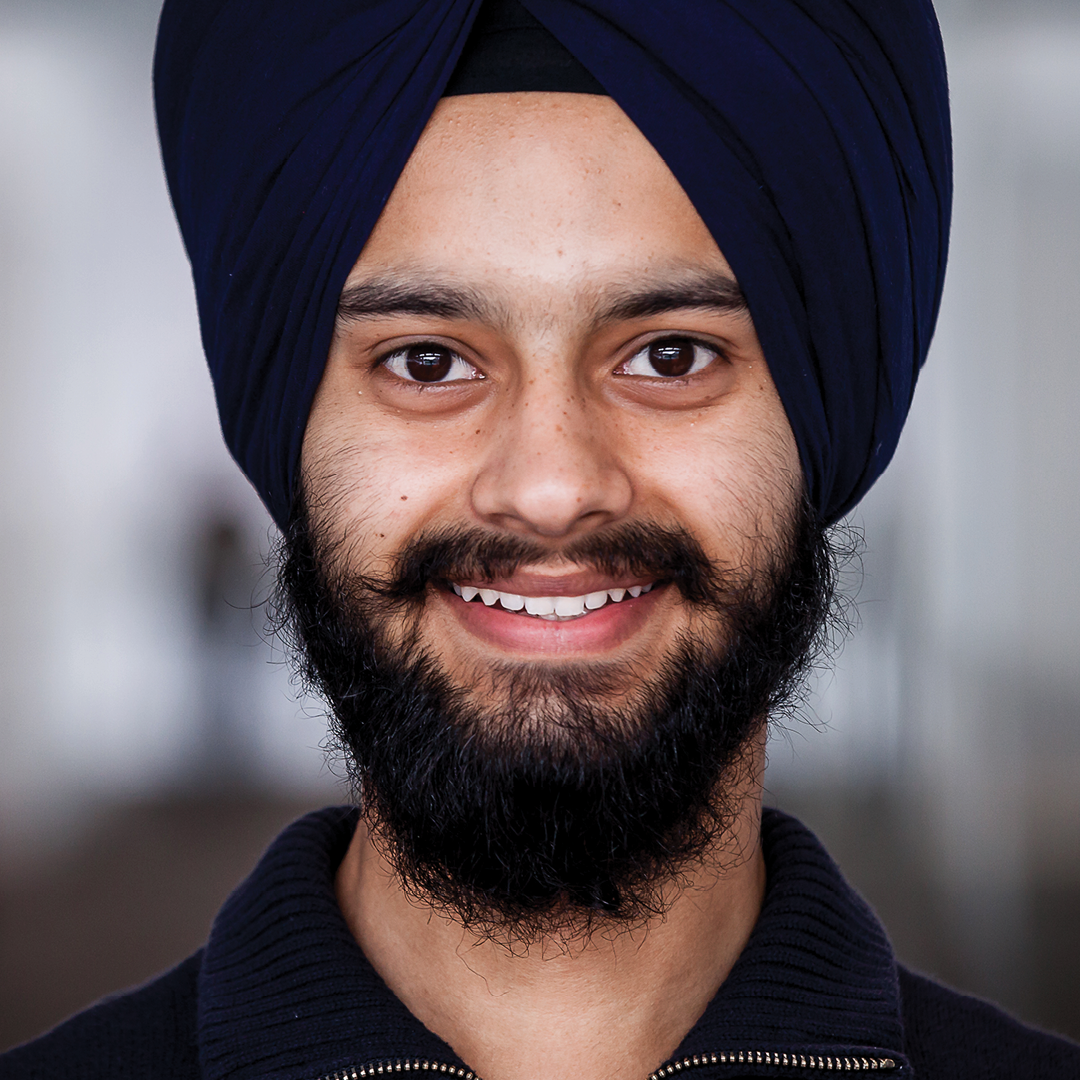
pixel 286 993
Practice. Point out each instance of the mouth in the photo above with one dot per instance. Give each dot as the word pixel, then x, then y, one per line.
pixel 550 608
pixel 582 613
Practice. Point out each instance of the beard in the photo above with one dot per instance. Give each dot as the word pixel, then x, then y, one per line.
pixel 572 794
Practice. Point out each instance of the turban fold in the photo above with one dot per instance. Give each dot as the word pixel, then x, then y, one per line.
pixel 812 136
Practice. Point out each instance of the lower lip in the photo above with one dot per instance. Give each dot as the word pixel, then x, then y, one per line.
pixel 594 632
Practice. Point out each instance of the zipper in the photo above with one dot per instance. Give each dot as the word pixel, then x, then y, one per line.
pixel 781 1059
pixel 382 1068
pixel 841 1063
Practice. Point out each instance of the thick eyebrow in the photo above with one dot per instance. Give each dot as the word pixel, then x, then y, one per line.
pixel 389 296
pixel 381 297
pixel 709 290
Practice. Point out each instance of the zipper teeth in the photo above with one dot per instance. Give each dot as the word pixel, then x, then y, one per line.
pixel 774 1058
pixel 730 1057
pixel 382 1068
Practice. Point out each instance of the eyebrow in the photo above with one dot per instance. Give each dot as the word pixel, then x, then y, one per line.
pixel 705 290
pixel 388 296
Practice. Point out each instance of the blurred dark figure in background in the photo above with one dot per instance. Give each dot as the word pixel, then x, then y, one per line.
pixel 555 340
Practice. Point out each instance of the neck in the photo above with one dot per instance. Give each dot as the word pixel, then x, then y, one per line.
pixel 609 1007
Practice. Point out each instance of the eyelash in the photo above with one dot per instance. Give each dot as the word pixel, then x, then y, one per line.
pixel 396 363
pixel 702 356
pixel 429 353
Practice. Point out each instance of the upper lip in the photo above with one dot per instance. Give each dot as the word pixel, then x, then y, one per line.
pixel 578 583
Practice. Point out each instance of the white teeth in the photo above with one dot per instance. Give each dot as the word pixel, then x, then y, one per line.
pixel 540 605
pixel 568 606
pixel 455 587
pixel 550 607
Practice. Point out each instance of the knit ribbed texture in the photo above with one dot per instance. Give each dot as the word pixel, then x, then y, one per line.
pixel 283 992
pixel 818 970
pixel 817 976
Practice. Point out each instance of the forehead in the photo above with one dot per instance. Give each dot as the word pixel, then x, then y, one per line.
pixel 545 186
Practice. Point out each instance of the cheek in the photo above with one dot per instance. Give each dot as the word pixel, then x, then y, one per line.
pixel 731 475
pixel 380 483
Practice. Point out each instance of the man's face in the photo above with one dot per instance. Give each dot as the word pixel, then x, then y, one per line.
pixel 542 340
pixel 553 568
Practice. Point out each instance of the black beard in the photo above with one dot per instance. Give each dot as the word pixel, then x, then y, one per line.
pixel 573 804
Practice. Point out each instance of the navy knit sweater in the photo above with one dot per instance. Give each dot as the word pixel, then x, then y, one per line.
pixel 282 992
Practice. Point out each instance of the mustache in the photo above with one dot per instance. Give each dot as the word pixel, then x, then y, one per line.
pixel 633 549
pixel 554 806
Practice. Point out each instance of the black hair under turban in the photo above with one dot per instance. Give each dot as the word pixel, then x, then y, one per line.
pixel 812 136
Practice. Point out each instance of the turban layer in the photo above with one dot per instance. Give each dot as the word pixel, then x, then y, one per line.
pixel 812 136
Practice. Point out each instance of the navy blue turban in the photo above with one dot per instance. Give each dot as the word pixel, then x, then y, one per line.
pixel 812 136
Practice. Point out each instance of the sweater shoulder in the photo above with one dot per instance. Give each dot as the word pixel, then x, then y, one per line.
pixel 953 1035
pixel 148 1032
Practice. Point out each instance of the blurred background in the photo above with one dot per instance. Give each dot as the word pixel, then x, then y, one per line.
pixel 150 741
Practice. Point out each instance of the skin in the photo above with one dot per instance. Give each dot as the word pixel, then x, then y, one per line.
pixel 550 210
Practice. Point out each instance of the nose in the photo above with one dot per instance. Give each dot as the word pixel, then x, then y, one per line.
pixel 550 471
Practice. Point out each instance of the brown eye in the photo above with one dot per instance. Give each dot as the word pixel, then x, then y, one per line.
pixel 670 358
pixel 428 363
pixel 673 357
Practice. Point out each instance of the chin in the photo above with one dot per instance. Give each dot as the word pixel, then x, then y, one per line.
pixel 524 794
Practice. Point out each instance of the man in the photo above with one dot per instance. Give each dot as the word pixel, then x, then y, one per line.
pixel 554 339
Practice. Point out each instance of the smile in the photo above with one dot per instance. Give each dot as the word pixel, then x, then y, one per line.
pixel 552 608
